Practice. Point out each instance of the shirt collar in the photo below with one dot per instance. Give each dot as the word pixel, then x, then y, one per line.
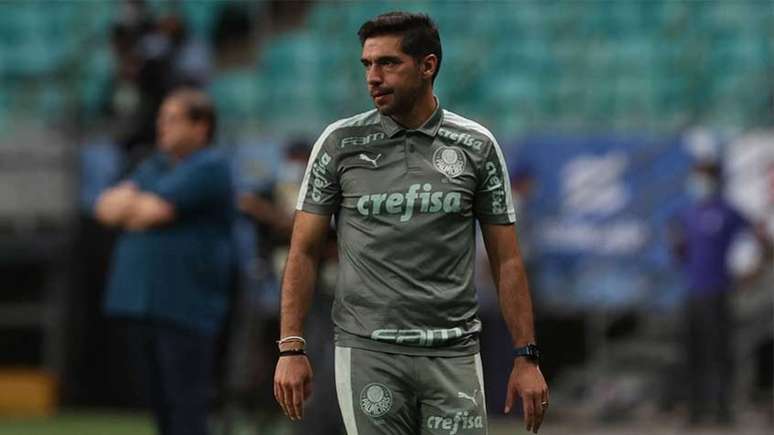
pixel 429 128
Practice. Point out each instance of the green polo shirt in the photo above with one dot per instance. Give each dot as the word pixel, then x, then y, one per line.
pixel 180 272
pixel 405 204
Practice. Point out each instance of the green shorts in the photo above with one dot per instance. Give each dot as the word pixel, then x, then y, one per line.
pixel 384 393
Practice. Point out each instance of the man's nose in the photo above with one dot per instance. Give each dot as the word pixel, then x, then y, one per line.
pixel 374 76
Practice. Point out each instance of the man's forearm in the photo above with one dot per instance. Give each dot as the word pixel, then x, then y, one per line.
pixel 515 301
pixel 132 209
pixel 112 207
pixel 297 290
pixel 148 210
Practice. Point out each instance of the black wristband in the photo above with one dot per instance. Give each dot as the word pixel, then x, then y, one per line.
pixel 530 352
pixel 292 352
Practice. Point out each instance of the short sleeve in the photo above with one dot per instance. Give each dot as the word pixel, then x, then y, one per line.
pixel 196 185
pixel 320 191
pixel 493 203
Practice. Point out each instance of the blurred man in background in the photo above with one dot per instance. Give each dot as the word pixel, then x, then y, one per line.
pixel 702 238
pixel 171 269
pixel 406 183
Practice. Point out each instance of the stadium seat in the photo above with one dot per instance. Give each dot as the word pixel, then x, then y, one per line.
pixel 573 62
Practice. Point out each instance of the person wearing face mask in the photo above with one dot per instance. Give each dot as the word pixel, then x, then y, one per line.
pixel 702 236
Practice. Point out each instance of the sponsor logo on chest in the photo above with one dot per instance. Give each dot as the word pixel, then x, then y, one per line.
pixel 372 160
pixel 362 140
pixel 420 198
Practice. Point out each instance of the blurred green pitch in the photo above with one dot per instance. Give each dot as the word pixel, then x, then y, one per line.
pixel 79 423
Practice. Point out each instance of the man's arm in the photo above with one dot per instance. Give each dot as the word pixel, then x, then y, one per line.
pixel 112 206
pixel 293 375
pixel 309 233
pixel 149 210
pixel 510 280
pixel 127 207
pixel 265 212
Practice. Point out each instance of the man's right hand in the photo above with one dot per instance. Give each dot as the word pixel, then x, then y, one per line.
pixel 112 205
pixel 293 384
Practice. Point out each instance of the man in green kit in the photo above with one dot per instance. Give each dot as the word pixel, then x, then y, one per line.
pixel 406 183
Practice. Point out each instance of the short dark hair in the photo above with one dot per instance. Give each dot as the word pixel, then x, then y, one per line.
pixel 418 31
pixel 198 107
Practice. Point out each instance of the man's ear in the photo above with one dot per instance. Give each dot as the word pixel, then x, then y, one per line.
pixel 429 66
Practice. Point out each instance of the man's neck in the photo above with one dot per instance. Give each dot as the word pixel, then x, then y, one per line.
pixel 177 157
pixel 420 113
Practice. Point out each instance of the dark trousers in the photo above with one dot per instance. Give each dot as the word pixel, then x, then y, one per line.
pixel 175 365
pixel 709 356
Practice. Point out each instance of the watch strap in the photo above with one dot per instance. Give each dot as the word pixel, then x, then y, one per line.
pixel 529 351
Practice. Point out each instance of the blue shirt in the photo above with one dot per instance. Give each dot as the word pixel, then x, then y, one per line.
pixel 708 230
pixel 179 272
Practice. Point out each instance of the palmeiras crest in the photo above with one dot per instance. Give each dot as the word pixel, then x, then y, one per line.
pixel 449 161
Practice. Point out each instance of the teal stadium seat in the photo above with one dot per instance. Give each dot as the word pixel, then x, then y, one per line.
pixel 240 95
pixel 95 75
pixel 519 65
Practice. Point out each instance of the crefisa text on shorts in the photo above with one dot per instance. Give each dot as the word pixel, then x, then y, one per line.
pixel 460 421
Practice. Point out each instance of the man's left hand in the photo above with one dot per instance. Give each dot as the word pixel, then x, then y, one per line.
pixel 527 381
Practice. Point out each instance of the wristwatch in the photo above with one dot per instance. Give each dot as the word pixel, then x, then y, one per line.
pixel 530 351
